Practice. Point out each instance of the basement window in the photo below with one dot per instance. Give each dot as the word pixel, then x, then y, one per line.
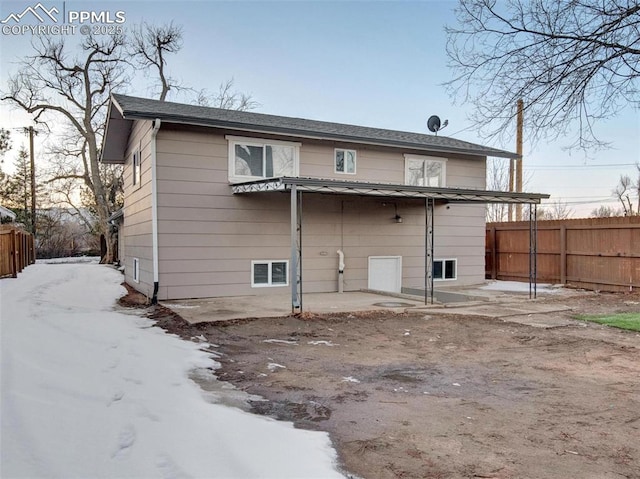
pixel 136 270
pixel 266 273
pixel 445 269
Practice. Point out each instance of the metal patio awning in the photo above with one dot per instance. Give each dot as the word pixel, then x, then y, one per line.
pixel 341 187
pixel 296 186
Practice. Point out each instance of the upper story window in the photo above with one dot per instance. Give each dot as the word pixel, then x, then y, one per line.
pixel 345 161
pixel 252 159
pixel 424 171
pixel 137 170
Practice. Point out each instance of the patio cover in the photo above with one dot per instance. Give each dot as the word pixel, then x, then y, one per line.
pixel 296 186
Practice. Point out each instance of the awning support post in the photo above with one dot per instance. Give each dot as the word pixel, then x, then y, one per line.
pixel 295 266
pixel 428 250
pixel 533 251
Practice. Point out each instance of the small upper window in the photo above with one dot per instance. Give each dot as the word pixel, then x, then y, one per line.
pixel 137 173
pixel 345 161
pixel 250 158
pixel 424 171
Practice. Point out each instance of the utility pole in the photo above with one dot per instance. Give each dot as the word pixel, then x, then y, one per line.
pixel 519 128
pixel 31 132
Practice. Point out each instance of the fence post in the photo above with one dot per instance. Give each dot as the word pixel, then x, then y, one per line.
pixel 23 251
pixel 14 253
pixel 563 254
pixel 494 254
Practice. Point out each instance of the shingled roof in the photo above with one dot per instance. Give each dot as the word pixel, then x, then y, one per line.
pixel 134 108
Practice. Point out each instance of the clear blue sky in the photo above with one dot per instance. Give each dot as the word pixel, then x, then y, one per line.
pixel 362 62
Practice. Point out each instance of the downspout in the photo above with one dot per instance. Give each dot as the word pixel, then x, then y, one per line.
pixel 154 211
pixel 340 271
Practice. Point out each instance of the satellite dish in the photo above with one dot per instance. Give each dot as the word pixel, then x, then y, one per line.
pixel 433 123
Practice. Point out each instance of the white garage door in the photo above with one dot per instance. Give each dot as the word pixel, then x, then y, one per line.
pixel 385 273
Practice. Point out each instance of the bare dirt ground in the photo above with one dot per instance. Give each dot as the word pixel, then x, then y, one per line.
pixel 447 396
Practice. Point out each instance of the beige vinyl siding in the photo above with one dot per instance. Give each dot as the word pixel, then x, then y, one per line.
pixel 317 161
pixel 208 236
pixel 469 174
pixel 360 227
pixel 460 234
pixel 198 257
pixel 137 212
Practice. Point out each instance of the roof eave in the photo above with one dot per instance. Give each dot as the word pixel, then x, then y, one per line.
pixel 116 135
pixel 137 115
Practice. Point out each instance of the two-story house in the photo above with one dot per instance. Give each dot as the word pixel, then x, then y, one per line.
pixel 226 203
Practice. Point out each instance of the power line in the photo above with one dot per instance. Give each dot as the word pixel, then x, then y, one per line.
pixel 460 131
pixel 562 167
pixel 586 202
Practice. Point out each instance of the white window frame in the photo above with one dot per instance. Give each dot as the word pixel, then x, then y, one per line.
pixel 270 283
pixel 455 269
pixel 434 159
pixel 240 140
pixel 136 270
pixel 137 168
pixel 335 161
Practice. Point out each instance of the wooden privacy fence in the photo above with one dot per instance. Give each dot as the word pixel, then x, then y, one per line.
pixel 595 253
pixel 16 251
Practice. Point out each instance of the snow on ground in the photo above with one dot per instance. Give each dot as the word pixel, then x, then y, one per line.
pixel 73 259
pixel 520 287
pixel 87 391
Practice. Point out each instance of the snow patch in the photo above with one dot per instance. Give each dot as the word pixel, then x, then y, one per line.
pixel 71 260
pixel 280 341
pixel 322 343
pixel 273 366
pixel 181 306
pixel 350 379
pixel 520 287
pixel 87 391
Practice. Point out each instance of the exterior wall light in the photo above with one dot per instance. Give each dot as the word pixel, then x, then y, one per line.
pixel 398 218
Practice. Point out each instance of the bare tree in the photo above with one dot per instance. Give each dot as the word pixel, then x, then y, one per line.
pixel 559 210
pixel 73 91
pixel 571 61
pixel 497 180
pixel 62 235
pixel 227 98
pixel 605 211
pixel 149 46
pixel 623 192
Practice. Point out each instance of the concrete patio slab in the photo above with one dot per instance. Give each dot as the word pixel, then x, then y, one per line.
pixel 532 313
pixel 510 306
pixel 269 306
